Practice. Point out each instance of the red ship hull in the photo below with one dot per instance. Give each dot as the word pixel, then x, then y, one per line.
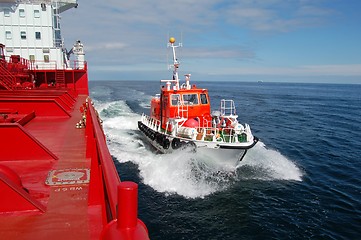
pixel 57 177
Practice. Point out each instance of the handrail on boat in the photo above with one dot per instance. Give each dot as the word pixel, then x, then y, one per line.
pixel 212 134
pixel 151 122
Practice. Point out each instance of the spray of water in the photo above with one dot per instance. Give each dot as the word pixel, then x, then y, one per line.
pixel 268 164
pixel 185 173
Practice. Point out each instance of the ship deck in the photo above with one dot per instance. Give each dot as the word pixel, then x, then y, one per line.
pixel 57 199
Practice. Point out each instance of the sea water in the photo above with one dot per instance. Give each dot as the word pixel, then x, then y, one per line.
pixel 301 181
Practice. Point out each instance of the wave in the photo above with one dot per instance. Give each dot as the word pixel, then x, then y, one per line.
pixel 184 173
pixel 268 164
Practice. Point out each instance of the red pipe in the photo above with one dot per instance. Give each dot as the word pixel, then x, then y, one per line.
pixel 127 205
pixel 127 226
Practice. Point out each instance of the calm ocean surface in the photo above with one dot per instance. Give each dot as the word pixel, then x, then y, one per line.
pixel 301 181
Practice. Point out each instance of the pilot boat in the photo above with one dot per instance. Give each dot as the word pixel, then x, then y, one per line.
pixel 181 119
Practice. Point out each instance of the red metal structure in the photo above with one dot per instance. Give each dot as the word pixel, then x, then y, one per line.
pixel 57 177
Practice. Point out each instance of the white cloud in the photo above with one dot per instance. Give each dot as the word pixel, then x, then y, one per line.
pixel 276 15
pixel 312 70
pixel 128 35
pixel 309 10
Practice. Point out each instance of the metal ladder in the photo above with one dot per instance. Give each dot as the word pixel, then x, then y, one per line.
pixel 182 110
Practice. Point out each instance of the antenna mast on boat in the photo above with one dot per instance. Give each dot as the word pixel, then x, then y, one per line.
pixel 175 61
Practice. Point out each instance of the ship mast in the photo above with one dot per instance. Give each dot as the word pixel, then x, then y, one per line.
pixel 175 61
pixel 175 79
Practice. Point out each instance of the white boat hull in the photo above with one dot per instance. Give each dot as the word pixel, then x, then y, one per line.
pixel 227 155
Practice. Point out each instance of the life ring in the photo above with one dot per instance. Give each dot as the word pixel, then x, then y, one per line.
pixel 176 143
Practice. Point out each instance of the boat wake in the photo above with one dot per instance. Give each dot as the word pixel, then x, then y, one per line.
pixel 185 173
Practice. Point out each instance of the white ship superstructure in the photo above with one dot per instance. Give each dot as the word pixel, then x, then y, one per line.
pixel 31 29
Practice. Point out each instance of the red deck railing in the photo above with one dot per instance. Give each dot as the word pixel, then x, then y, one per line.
pixel 122 196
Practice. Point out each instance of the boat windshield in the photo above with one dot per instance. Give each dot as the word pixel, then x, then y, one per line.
pixel 204 98
pixel 190 99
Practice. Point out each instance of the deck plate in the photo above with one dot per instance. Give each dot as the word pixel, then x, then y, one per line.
pixel 68 177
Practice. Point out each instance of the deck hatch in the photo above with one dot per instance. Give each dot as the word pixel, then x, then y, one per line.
pixel 68 177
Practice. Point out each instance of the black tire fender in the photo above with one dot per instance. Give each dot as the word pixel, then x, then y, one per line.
pixel 176 143
pixel 166 143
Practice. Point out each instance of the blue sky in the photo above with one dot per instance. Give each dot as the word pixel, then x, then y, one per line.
pixel 223 40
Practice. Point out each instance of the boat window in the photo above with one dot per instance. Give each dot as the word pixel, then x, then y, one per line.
pixel 36 13
pixel 46 58
pixel 8 34
pixel 204 98
pixel 22 12
pixel 190 99
pixel 23 35
pixel 175 98
pixel 7 12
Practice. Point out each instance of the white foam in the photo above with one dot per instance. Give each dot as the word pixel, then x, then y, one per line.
pixel 269 164
pixel 180 172
pixel 173 174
